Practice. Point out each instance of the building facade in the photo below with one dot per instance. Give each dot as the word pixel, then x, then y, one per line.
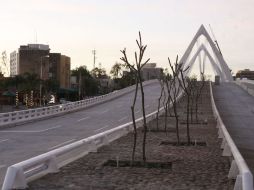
pixel 36 58
pixel 32 58
pixel 150 71
pixel 14 66
pixel 59 69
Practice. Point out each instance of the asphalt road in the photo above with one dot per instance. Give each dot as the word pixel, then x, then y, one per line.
pixel 236 108
pixel 25 141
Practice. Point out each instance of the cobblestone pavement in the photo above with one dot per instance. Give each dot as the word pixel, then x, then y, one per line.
pixel 193 167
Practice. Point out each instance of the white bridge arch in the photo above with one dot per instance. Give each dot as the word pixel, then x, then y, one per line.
pixel 220 67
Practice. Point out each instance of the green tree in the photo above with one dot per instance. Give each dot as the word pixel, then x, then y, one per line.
pixel 87 85
pixel 116 69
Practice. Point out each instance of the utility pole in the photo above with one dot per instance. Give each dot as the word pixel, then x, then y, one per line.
pixel 94 53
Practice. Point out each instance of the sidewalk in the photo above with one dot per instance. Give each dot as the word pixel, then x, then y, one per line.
pixel 193 167
pixel 236 108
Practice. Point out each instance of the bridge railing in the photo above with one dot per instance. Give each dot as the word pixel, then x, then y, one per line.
pixel 247 85
pixel 18 117
pixel 18 175
pixel 239 169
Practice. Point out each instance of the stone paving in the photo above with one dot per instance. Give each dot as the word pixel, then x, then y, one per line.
pixel 193 167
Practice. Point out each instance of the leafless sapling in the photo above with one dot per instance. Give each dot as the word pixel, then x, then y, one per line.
pixel 184 81
pixel 159 102
pixel 175 93
pixel 137 69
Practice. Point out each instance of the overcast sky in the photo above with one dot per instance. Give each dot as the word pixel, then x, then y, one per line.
pixel 75 27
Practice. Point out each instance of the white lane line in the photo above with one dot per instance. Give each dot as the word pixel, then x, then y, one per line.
pixel 29 131
pixel 2 166
pixel 83 119
pixel 3 141
pixel 58 126
pixel 137 111
pixel 123 118
pixel 64 143
pixel 104 111
pixel 101 128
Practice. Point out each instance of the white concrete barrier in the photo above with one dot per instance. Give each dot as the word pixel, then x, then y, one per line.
pixel 239 169
pixel 19 117
pixel 243 84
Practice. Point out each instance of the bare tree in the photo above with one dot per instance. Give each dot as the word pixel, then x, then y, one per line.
pixel 184 82
pixel 159 102
pixel 168 83
pixel 139 65
pixel 175 93
pixel 134 123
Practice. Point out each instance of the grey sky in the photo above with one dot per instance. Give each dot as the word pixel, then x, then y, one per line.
pixel 75 27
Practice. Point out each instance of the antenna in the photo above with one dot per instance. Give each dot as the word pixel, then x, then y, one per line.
pixel 94 53
pixel 216 42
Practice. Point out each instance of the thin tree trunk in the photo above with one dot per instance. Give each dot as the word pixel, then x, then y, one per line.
pixel 157 115
pixel 134 124
pixel 144 116
pixel 188 129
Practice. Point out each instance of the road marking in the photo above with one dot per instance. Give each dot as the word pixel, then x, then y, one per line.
pixel 123 118
pixel 58 126
pixel 147 106
pixel 105 111
pixel 2 166
pixel 83 119
pixel 101 128
pixel 64 143
pixel 137 111
pixel 3 141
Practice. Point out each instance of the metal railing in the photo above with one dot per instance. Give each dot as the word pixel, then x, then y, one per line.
pixel 239 169
pixel 18 117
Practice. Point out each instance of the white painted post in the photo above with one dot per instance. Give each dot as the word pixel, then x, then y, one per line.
pixel 14 179
pixel 52 165
pixel 226 151
pixel 220 134
pixel 233 171
pixel 223 143
pixel 238 183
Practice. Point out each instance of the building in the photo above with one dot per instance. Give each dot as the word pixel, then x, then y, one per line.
pixel 150 71
pixel 59 69
pixel 36 58
pixel 246 73
pixel 14 67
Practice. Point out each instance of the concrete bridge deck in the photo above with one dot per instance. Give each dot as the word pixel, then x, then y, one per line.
pixel 236 108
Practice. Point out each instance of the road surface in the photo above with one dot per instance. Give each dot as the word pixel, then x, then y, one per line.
pixel 236 108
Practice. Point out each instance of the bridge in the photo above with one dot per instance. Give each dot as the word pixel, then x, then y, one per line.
pixel 28 135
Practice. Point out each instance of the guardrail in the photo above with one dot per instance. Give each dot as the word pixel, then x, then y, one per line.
pixel 239 169
pixel 17 117
pixel 245 85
